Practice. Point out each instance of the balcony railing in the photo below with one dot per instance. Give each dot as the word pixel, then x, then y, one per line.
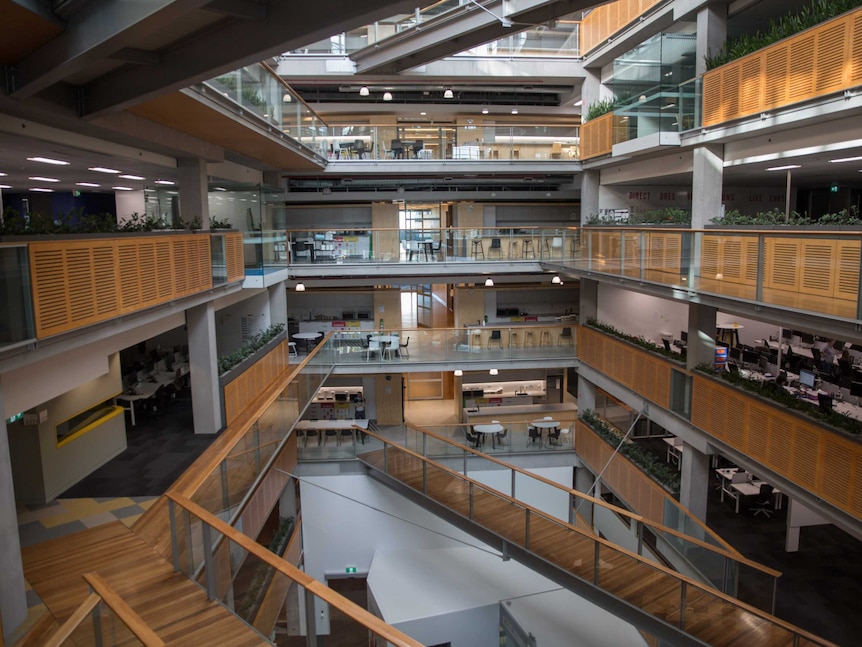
pixel 55 286
pixel 819 61
pixel 606 20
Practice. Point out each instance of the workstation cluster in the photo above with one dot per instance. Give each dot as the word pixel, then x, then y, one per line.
pixel 147 384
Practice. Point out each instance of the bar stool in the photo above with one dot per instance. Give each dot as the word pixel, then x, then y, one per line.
pixel 529 339
pixel 513 338
pixel 478 249
pixel 527 249
pixel 291 349
pixel 545 335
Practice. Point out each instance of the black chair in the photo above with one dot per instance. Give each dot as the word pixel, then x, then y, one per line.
pixel 402 349
pixel 815 353
pixel 501 436
pixel 763 503
pixel 534 435
pixel 554 436
pixel 566 334
pixel 496 336
pixel 496 246
pixel 397 148
pixel 312 433
pixel 345 433
pixel 473 439
pixel 666 344
pixel 418 145
pixel 330 433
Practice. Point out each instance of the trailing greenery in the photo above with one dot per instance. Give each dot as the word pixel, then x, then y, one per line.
pixel 771 391
pixel 215 223
pixel 263 573
pixel 646 344
pixel 657 469
pixel 775 217
pixel 258 341
pixel 599 108
pixel 787 25
pixel 665 216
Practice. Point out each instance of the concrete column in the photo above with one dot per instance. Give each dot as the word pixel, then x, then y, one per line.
pixel 588 307
pixel 701 335
pixel 194 191
pixel 586 394
pixel 278 303
pixel 707 177
pixel 589 195
pixel 695 481
pixel 711 34
pixel 13 598
pixel 203 356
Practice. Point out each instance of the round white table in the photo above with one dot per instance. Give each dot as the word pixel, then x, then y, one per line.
pixel 390 341
pixel 490 428
pixel 306 337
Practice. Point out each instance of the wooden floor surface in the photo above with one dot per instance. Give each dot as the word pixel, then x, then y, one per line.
pixel 175 608
pixel 707 617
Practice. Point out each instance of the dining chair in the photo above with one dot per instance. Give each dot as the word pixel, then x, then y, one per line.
pixel 402 349
pixel 534 435
pixel 496 336
pixel 373 347
pixel 566 334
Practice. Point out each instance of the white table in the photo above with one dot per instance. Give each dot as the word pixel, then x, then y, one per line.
pixel 675 448
pixel 493 428
pixel 547 425
pixel 143 391
pixel 392 341
pixel 322 426
pixel 306 337
pixel 752 488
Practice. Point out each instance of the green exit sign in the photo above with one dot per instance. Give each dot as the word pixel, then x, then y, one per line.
pixel 349 569
pixel 833 188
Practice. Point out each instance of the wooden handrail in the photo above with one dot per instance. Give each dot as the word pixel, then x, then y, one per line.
pixel 613 547
pixel 73 621
pixel 350 609
pixel 123 611
pixel 728 551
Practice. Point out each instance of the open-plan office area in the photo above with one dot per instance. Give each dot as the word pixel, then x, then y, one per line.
pixel 500 205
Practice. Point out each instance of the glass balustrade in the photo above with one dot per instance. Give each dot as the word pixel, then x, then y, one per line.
pixel 16 315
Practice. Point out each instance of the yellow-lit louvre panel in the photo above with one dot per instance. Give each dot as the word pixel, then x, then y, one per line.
pixel 730 87
pixel 835 480
pixel 163 277
pixel 847 269
pixel 854 50
pixel 632 250
pixel 130 277
pixel 181 265
pixel 673 253
pixel 829 71
pixel 731 267
pixel 800 81
pixel 235 261
pixel 751 84
pixel 47 268
pixel 105 280
pixel 805 461
pixel 710 249
pixel 79 273
pixel 147 268
pixel 204 256
pixel 759 417
pixel 816 267
pixel 781 261
pixel 712 98
pixel 751 252
pixel 775 84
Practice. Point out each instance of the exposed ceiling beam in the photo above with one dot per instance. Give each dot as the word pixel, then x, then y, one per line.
pixel 103 28
pixel 232 44
pixel 245 9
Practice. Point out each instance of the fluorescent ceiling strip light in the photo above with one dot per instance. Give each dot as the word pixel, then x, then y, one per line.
pixel 39 178
pixel 132 177
pixel 90 184
pixel 102 169
pixel 48 160
pixel 784 168
pixel 846 159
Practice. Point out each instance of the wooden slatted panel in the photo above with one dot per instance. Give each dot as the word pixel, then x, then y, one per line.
pixel 816 458
pixel 243 390
pixel 731 269
pixel 79 271
pixel 147 269
pixel 710 254
pixel 105 280
pixel 750 256
pixel 632 252
pixel 234 257
pixel 164 276
pixel 847 257
pixel 815 269
pixel 819 61
pixel 781 257
pixel 608 19
pixel 751 82
pixel 597 136
pixel 130 277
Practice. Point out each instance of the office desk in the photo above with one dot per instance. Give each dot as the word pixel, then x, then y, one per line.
pixel 143 391
pixel 675 448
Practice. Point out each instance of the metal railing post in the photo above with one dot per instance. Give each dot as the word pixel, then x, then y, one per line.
pixel 514 474
pixel 596 547
pixel 471 500
pixel 209 563
pixel 425 478
pixel 682 596
pixel 310 620
pixel 225 492
pixel 640 532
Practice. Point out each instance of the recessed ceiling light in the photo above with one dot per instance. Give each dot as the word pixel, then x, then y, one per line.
pixel 132 177
pixel 39 178
pixel 484 111
pixel 48 160
pixel 784 168
pixel 846 159
pixel 2 175
pixel 423 113
pixel 38 190
pixel 218 188
pixel 514 111
pixel 448 94
pixel 90 184
pixel 122 188
pixel 169 182
pixel 5 186
pixel 102 169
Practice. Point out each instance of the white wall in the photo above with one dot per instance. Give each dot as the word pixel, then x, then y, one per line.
pixel 229 321
pixel 641 314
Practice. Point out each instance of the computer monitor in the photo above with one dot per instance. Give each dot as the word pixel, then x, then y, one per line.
pixel 683 336
pixel 807 378
pixel 750 357
pixel 824 401
pixel 838 345
pixel 786 333
pixel 856 389
pixel 736 354
pixel 807 338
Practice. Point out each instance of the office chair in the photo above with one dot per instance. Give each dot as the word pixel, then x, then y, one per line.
pixel 666 344
pixel 763 503
pixel 501 436
pixel 496 336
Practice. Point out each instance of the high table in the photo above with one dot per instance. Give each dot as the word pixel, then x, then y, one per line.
pixel 492 428
pixel 306 337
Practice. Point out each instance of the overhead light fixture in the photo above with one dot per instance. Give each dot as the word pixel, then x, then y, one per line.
pixel 387 96
pixel 364 91
pixel 579 103
pixel 5 186
pixel 168 182
pixel 489 282
pixel 557 280
pixel 122 188
pixel 448 94
pixel 494 371
pixel 48 160
pixel 286 98
pixel 846 159
pixel 38 190
pixel 2 174
pixel 88 184
pixel 784 168
pixel 458 372
pixel 300 287
pixel 422 114
pixel 514 111
pixel 219 188
pixel 132 177
pixel 39 178
pixel 102 169
pixel 484 111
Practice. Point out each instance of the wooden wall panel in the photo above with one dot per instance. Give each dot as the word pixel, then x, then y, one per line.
pixel 234 257
pixel 819 61
pixel 815 266
pixel 597 136
pixel 639 370
pixel 242 391
pixel 605 21
pixel 824 462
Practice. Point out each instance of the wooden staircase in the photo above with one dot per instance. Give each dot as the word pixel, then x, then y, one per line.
pixel 169 603
pixel 702 613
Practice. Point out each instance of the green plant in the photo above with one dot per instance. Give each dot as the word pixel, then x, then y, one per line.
pixel 665 216
pixel 769 391
pixel 776 217
pixel 599 108
pixel 787 25
pixel 215 223
pixel 637 341
pixel 249 602
pixel 254 344
pixel 655 468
